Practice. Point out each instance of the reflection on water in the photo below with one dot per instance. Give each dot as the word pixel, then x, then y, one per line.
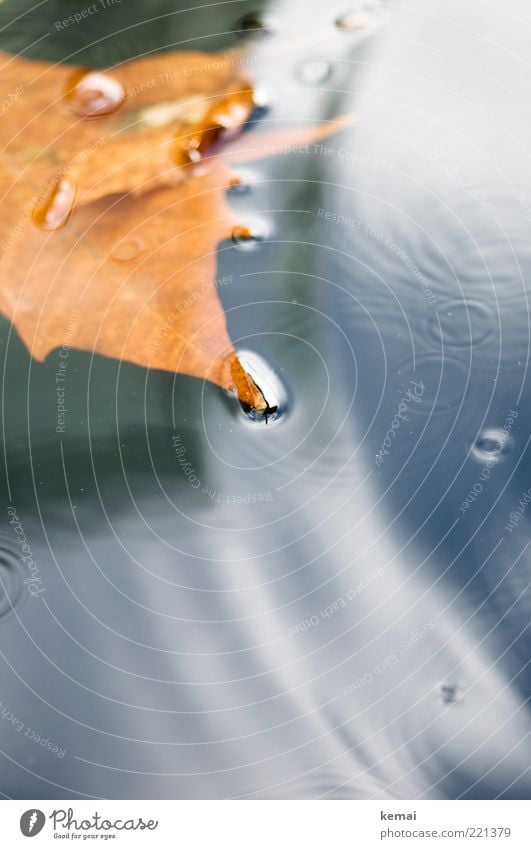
pixel 239 611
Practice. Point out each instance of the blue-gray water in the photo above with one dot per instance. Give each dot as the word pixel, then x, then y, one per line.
pixel 340 608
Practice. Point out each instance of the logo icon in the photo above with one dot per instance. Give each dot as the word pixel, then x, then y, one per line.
pixel 32 822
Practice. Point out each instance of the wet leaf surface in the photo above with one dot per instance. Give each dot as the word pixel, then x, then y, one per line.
pixel 115 182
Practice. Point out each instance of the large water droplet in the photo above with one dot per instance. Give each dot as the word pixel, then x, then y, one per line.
pixel 54 208
pixel 492 445
pixel 270 386
pixel 92 94
pixel 314 71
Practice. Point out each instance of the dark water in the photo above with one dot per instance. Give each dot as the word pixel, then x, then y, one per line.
pixel 340 607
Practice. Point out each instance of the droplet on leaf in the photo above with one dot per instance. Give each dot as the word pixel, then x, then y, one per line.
pixel 91 94
pixel 225 120
pixel 127 250
pixel 53 210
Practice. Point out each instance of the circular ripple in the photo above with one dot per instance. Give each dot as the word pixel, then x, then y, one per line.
pixel 445 380
pixel 461 324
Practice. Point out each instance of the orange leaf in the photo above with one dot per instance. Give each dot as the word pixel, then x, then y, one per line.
pixel 114 215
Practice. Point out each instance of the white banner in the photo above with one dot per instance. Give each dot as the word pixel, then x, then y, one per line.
pixel 266 824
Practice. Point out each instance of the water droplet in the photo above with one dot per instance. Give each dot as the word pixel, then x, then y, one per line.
pixel 269 384
pixel 314 71
pixel 240 183
pixel 223 121
pixel 53 210
pixel 450 694
pixel 364 16
pixel 492 445
pixel 256 23
pixel 352 20
pixel 262 102
pixel 248 237
pixel 92 94
pixel 127 249
pixel 461 324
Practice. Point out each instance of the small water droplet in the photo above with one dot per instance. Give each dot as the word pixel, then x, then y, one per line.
pixel 248 237
pixel 359 18
pixel 314 71
pixel 492 445
pixel 127 249
pixel 450 694
pixel 262 102
pixel 240 183
pixel 92 94
pixel 53 210
pixel 351 21
pixel 270 386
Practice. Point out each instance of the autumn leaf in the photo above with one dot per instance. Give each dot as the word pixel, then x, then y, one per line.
pixel 116 202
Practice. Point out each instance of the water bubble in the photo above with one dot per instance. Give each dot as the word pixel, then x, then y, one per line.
pixel 492 445
pixel 92 94
pixel 269 384
pixel 127 249
pixel 53 210
pixel 248 237
pixel 314 71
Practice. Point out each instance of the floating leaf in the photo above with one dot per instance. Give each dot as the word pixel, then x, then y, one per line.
pixel 114 204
